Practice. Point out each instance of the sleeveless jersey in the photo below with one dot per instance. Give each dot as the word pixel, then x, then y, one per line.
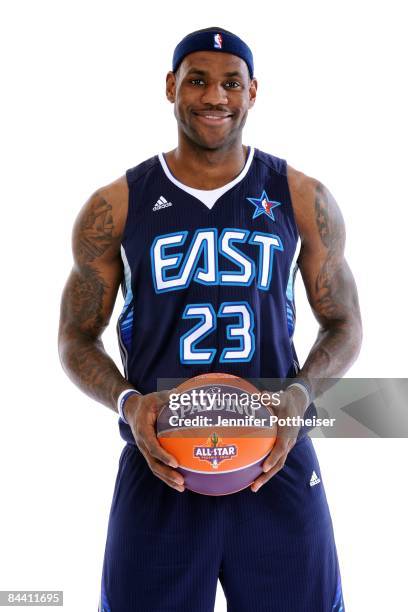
pixel 208 289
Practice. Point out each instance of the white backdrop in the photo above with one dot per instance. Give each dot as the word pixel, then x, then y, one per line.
pixel 83 100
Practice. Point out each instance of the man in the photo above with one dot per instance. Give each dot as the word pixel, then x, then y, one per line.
pixel 206 240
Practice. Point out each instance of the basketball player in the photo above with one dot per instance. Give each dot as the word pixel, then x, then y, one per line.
pixel 205 241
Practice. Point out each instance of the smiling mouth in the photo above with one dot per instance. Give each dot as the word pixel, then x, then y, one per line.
pixel 212 118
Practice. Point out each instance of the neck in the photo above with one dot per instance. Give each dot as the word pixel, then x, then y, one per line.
pixel 204 168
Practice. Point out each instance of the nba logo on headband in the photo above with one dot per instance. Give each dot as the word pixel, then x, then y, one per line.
pixel 213 39
pixel 217 41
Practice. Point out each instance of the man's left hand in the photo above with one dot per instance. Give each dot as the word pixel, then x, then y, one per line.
pixel 293 403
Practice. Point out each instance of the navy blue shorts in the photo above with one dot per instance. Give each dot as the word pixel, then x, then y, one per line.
pixel 273 551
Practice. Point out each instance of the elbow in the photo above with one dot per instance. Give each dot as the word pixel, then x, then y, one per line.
pixel 356 334
pixel 65 345
pixel 351 330
pixel 347 331
pixel 73 342
pixel 355 325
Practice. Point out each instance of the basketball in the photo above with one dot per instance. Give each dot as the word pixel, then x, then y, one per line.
pixel 220 432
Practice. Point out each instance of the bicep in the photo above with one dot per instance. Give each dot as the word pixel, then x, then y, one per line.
pixel 328 280
pixel 90 291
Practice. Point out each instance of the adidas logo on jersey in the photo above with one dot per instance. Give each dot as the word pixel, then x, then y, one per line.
pixel 161 203
pixel 314 479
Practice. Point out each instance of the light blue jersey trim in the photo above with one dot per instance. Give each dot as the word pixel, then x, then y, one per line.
pixel 125 321
pixel 290 296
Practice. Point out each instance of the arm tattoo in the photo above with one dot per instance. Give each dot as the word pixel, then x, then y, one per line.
pixel 93 371
pixel 96 234
pixel 330 285
pixel 84 313
pixel 322 215
pixel 88 288
pixel 85 303
pixel 336 302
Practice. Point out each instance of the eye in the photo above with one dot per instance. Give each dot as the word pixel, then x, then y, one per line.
pixel 232 84
pixel 196 81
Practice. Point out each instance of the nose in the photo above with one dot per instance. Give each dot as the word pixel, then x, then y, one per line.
pixel 214 94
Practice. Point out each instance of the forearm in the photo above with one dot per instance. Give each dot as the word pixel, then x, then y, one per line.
pixel 87 364
pixel 335 350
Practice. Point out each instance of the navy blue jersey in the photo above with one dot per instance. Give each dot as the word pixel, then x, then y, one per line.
pixel 209 289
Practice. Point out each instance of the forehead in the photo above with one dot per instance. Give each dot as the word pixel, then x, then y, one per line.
pixel 213 62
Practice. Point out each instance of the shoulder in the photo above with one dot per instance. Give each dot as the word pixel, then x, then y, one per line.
pixel 314 206
pixel 100 223
pixel 300 183
pixel 302 193
pixel 142 170
pixel 111 200
pixel 115 195
pixel 273 163
pixel 303 190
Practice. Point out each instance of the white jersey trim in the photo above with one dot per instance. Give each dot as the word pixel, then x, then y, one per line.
pixel 208 196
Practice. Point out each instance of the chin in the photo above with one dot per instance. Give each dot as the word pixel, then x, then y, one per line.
pixel 213 143
pixel 212 146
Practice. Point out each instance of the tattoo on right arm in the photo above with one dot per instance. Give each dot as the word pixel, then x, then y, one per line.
pixel 87 304
pixel 97 231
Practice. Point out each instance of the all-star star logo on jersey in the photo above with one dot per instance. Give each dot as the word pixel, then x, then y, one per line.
pixel 264 205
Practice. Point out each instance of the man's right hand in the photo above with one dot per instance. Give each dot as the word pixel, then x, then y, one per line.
pixel 141 413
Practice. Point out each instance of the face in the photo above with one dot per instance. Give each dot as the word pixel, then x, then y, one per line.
pixel 212 93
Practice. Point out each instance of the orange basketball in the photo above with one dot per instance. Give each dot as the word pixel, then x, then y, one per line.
pixel 218 427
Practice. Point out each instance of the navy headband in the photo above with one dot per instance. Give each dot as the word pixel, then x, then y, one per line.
pixel 213 40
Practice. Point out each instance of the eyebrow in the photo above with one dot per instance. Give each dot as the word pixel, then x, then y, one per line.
pixel 234 73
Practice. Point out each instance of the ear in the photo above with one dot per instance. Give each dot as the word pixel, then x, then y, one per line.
pixel 253 87
pixel 171 86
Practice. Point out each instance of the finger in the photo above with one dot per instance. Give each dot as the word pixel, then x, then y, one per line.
pixel 165 472
pixel 273 401
pixel 260 481
pixel 291 444
pixel 147 436
pixel 169 482
pixel 170 477
pixel 152 402
pixel 163 396
pixel 279 450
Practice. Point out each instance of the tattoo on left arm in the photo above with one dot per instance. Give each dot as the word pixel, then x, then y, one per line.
pixel 333 296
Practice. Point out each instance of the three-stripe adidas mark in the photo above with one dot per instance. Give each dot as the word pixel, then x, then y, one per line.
pixel 314 479
pixel 161 203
